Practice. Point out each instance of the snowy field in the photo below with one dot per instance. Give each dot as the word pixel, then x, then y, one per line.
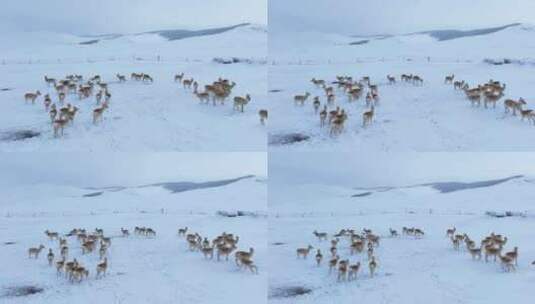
pixel 141 269
pixel 431 117
pixel 432 197
pixel 162 116
pixel 410 270
pixel 158 269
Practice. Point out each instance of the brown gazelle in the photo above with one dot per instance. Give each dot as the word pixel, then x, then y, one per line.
pixel 59 126
pixel 224 251
pixel 31 96
pixel 102 268
pixel 320 235
pixel 248 263
pixel 507 262
pixel 491 251
pixel 240 102
pixel 241 255
pixel 332 263
pixel 303 252
pixel 182 231
pixel 97 113
pixel 300 99
pixel 450 232
pixel 513 105
pixel 121 78
pixel 353 271
pixel 367 117
pixel 34 251
pixel 372 265
pixel 513 255
pixel 475 252
pixel 342 270
pixel 323 116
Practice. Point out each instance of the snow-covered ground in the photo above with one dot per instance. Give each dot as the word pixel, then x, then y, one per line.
pixel 142 117
pixel 157 269
pixel 411 270
pixel 432 117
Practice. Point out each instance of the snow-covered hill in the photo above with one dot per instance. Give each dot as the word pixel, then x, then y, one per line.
pixel 170 45
pixel 511 41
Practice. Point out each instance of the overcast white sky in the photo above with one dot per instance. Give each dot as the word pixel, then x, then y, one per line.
pixel 120 16
pixel 399 169
pixel 126 169
pixel 394 16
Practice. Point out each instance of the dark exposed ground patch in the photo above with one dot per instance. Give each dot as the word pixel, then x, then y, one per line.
pixel 442 187
pixel 88 42
pixel 167 34
pixel 278 244
pixel 443 35
pixel 10 243
pixel 361 194
pixel 174 187
pixel 188 186
pixel 93 194
pixel 6 89
pixel 447 187
pixel 360 42
pixel 288 292
pixel 287 139
pixel 183 34
pixel 21 291
pixel 18 135
pixel 275 91
pixel 440 35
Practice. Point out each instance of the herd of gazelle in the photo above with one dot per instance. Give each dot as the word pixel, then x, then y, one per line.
pixel 61 114
pixel 222 246
pixel 364 242
pixel 218 92
pixel 334 115
pixel 88 242
pixel 491 92
pixel 492 246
